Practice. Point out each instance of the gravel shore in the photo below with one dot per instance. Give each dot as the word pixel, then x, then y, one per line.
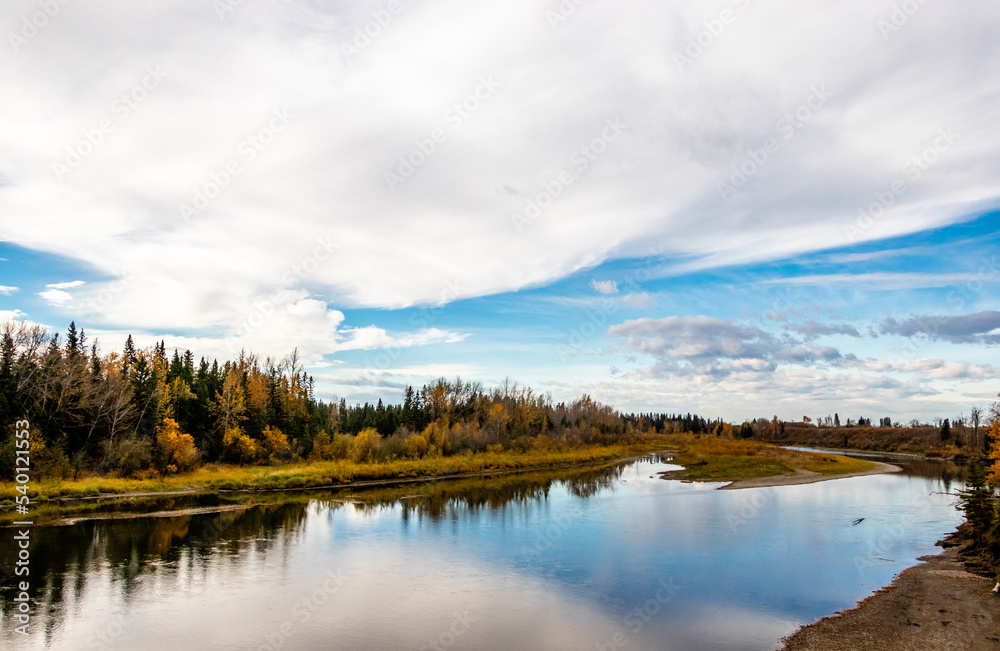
pixel 934 606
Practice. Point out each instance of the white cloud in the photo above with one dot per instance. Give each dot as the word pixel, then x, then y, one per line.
pixel 317 330
pixel 56 297
pixel 446 231
pixel 698 338
pixel 605 286
pixel 68 285
pixel 7 291
pixel 639 300
pixel 12 315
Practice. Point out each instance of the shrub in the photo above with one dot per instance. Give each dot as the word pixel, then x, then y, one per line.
pixel 340 448
pixel 177 450
pixel 324 448
pixel 241 446
pixel 415 446
pixel 437 437
pixel 276 445
pixel 49 461
pixel 128 455
pixel 320 448
pixel 367 446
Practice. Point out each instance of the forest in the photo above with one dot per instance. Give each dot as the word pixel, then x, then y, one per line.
pixel 147 412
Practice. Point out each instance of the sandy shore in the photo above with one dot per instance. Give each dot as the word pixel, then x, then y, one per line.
pixel 933 606
pixel 806 477
pixel 800 477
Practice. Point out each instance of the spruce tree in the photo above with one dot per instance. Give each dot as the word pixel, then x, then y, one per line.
pixel 72 339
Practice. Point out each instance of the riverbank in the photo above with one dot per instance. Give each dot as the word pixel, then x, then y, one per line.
pixel 328 474
pixel 932 606
pixel 704 458
pixel 747 464
pixel 808 477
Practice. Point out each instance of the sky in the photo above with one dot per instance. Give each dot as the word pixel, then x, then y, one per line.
pixel 739 208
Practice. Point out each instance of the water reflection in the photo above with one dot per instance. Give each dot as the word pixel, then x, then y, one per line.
pixel 572 559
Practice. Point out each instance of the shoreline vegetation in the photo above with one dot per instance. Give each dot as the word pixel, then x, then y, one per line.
pixel 705 459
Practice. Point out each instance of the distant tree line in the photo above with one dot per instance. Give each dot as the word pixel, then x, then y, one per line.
pixel 156 411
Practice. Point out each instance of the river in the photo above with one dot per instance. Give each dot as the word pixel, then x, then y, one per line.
pixel 609 559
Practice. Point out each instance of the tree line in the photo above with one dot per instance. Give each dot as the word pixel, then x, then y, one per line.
pixel 152 411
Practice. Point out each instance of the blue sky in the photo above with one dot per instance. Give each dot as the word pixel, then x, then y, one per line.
pixel 762 226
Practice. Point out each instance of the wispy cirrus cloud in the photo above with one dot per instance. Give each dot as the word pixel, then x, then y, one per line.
pixel 885 281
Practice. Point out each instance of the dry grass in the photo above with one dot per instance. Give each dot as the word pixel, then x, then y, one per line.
pixel 704 457
pixel 713 458
pixel 214 477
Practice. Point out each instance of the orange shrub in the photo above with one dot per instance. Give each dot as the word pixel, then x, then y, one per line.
pixel 178 448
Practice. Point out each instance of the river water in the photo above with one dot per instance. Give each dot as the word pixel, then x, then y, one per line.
pixel 610 559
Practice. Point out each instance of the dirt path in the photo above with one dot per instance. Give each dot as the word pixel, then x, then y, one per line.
pixel 806 477
pixel 933 606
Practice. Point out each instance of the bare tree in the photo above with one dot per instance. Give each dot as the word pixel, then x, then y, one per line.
pixel 975 417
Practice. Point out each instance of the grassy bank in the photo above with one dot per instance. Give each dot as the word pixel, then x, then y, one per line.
pixel 710 458
pixel 217 477
pixel 704 457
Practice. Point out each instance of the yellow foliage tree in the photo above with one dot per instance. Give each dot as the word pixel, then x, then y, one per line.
pixel 275 443
pixel 993 432
pixel 415 446
pixel 437 436
pixel 321 447
pixel 242 446
pixel 178 448
pixel 367 446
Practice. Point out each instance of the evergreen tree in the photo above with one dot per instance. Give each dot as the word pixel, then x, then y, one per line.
pixel 977 500
pixel 8 382
pixel 72 339
pixel 128 354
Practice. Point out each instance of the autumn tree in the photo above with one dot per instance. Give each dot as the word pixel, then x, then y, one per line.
pixel 177 449
pixel 993 441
